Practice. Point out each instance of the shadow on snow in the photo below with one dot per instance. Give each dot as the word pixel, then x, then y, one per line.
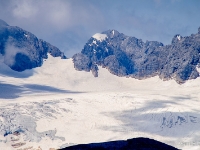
pixel 10 91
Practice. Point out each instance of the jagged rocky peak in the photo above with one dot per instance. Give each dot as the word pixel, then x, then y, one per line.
pixel 199 30
pixel 129 56
pixel 114 51
pixel 111 33
pixel 106 35
pixel 23 50
pixel 176 38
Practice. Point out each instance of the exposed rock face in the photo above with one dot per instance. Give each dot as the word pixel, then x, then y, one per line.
pixel 22 50
pixel 128 56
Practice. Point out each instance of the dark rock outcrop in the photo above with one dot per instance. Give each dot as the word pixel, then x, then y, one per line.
pixel 130 144
pixel 22 50
pixel 128 56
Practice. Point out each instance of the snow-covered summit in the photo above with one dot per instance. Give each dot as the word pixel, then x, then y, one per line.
pixel 100 36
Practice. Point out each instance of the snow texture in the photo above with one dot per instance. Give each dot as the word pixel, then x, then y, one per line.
pixel 100 36
pixel 68 107
pixel 179 37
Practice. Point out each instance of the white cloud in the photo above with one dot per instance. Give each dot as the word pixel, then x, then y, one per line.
pixel 10 53
pixel 56 15
pixel 24 9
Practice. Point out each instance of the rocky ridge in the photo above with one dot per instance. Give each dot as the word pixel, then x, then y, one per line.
pixel 22 50
pixel 131 57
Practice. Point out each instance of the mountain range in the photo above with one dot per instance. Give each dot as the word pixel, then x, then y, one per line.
pixel 122 55
pixel 131 57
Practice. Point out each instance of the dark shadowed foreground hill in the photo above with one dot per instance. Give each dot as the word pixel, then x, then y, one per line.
pixel 22 50
pixel 130 144
pixel 131 57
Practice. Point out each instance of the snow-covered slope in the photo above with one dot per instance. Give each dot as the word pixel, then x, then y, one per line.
pixel 56 106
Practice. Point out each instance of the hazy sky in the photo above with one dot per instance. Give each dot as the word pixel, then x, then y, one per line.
pixel 68 24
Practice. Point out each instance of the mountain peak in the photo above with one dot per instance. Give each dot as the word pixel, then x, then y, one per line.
pixel 176 38
pixel 111 33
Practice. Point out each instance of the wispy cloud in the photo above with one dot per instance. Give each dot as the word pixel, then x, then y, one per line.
pixel 24 9
pixel 10 53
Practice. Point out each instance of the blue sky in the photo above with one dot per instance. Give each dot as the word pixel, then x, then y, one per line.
pixel 68 24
